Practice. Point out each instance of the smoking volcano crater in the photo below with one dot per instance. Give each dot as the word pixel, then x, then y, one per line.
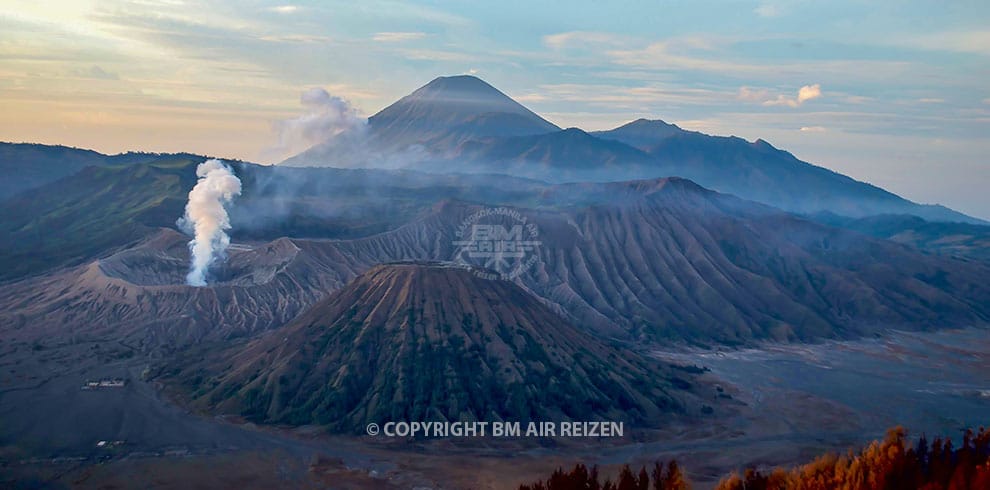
pixel 164 261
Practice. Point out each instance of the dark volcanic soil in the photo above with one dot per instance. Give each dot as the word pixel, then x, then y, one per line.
pixel 936 383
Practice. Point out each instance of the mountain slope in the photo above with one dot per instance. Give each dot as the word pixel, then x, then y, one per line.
pixel 557 156
pixel 27 166
pixel 429 341
pixel 76 218
pixel 683 262
pixel 657 259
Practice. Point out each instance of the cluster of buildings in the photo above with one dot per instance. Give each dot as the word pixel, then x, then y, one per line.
pixel 105 383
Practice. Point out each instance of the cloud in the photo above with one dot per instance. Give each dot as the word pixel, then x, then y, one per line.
pixel 767 10
pixel 805 93
pixel 809 92
pixel 397 37
pixel 625 98
pixel 532 97
pixel 729 56
pixel 857 99
pixel 752 95
pixel 435 55
pixel 986 101
pixel 284 9
pixel 693 53
pixel 782 100
pixel 958 41
pixel 581 39
pixel 931 100
pixel 813 129
pixel 297 39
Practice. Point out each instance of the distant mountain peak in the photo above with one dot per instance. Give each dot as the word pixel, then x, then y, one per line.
pixel 460 83
pixel 460 97
pixel 572 131
pixel 644 123
pixel 641 133
pixel 463 103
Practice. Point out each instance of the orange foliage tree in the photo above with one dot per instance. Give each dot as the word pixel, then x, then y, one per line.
pixel 890 464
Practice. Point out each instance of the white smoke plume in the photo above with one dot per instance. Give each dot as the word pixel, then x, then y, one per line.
pixel 206 217
pixel 327 117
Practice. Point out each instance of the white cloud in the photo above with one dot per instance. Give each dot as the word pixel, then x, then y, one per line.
pixel 397 37
pixel 809 92
pixel 284 9
pixel 813 129
pixel 782 100
pixel 931 100
pixel 805 93
pixel 768 10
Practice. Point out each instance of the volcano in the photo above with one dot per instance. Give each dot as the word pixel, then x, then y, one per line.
pixel 430 341
pixel 463 104
pixel 440 115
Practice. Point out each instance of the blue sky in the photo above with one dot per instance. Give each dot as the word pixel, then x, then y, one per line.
pixel 894 93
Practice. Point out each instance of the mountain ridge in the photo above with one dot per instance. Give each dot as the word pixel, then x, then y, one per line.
pixel 661 260
pixel 636 150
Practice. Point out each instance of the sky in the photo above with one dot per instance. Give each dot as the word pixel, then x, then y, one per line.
pixel 892 93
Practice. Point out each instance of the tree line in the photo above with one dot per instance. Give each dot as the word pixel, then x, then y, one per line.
pixel 664 477
pixel 891 464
